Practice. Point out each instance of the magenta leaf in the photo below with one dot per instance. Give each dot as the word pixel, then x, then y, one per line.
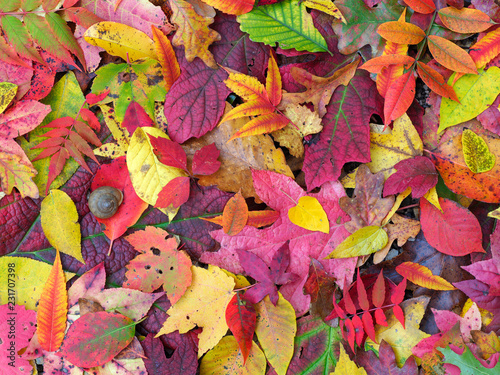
pixel 205 160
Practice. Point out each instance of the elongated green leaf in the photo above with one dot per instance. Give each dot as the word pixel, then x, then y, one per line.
pixel 18 36
pixel 287 23
pixel 364 241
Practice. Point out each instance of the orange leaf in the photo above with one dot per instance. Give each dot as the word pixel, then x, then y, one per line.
pixel 262 124
pixel 450 55
pixel 256 219
pixel 53 309
pixel 401 32
pixel 273 80
pixel 251 108
pixel 486 49
pixel 421 6
pixel 389 74
pixel 465 20
pixel 166 56
pixel 423 276
pixel 436 82
pixel 376 64
pixel 399 97
pixel 236 7
pixel 248 87
pixel 235 215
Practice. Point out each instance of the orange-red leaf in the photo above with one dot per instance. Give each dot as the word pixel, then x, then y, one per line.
pixel 401 32
pixel 378 291
pixel 241 320
pixel 236 7
pixel 436 82
pixel 256 219
pixel 376 64
pixel 273 81
pixel 399 97
pixel 450 55
pixel 251 108
pixel 235 215
pixel 423 276
pixel 53 309
pixel 486 49
pixel 421 6
pixel 262 124
pixel 389 74
pixel 166 56
pixel 465 20
pixel 175 193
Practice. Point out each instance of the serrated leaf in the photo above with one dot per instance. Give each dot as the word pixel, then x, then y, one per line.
pixel 60 223
pixel 121 40
pixel 465 20
pixel 475 92
pixel 18 36
pixel 476 153
pixel 467 362
pixel 423 276
pixel 52 309
pixel 287 23
pixel 401 32
pixel 450 55
pixel 364 241
pixel 309 214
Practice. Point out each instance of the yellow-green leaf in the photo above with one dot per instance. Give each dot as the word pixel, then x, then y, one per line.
pixel 60 223
pixel 7 93
pixel 476 152
pixel 121 40
pixel 325 6
pixel 226 358
pixel 29 276
pixel 345 366
pixel 310 215
pixel 147 174
pixel 364 241
pixel 203 305
pixel 475 92
pixel 275 329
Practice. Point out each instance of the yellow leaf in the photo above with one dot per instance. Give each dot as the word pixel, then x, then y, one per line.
pixel 7 93
pixel 399 199
pixel 387 150
pixel 402 339
pixel 28 278
pixel 120 134
pixel 477 155
pixel 364 241
pixel 15 171
pixel 147 174
pixel 310 215
pixel 226 358
pixel 121 40
pixel 325 6
pixel 345 366
pixel 60 223
pixel 275 329
pixel 203 305
pixel 433 198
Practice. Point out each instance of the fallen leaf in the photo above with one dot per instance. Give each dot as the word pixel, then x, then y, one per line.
pixel 477 156
pixel 309 214
pixel 346 366
pixel 235 215
pixel 423 276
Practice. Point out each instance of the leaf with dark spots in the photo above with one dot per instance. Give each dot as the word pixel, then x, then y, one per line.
pixel 346 133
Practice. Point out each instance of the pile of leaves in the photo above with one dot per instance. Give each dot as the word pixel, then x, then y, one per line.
pixel 307 186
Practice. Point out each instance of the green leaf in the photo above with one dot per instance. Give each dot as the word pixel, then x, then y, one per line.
pixel 467 363
pixel 287 23
pixel 364 241
pixel 475 92
pixel 143 83
pixel 362 24
pixel 476 152
pixel 18 36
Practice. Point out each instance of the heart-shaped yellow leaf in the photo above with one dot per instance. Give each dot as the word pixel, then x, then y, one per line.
pixel 477 155
pixel 310 215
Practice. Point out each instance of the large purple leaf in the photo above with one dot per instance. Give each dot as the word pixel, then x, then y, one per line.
pixel 346 131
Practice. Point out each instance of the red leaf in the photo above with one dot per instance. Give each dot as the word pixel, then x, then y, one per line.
pixel 86 133
pixel 421 6
pixel 358 326
pixel 241 320
pixel 399 314
pixel 56 166
pixel 169 153
pixel 436 82
pixel 398 293
pixel 362 296
pixel 90 117
pixel 368 325
pixel 350 332
pixel 205 160
pixel 380 317
pixel 175 193
pixel 136 116
pixel 378 291
pixel 418 173
pixel 455 231
pixel 96 98
pixel 338 310
pixel 348 303
pixel 399 97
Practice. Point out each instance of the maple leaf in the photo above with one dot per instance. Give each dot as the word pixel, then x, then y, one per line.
pixel 268 279
pixel 260 102
pixel 281 193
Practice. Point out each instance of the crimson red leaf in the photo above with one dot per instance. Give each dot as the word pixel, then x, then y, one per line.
pixel 338 310
pixel 90 117
pixel 136 116
pixel 348 303
pixel 241 320
pixel 175 193
pixel 368 325
pixel 455 231
pixel 345 136
pixel 92 99
pixel 399 314
pixel 418 173
pixel 358 327
pixel 169 153
pixel 398 293
pixel 399 97
pixel 205 160
pixel 350 333
pixel 362 296
pixel 378 292
pixel 380 317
